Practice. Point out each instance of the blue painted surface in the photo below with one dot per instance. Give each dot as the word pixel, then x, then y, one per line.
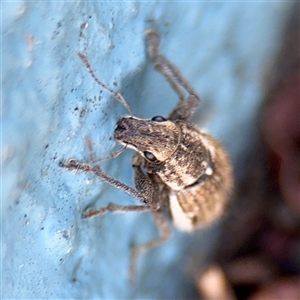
pixel 50 103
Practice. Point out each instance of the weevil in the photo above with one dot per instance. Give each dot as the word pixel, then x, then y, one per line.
pixel 179 171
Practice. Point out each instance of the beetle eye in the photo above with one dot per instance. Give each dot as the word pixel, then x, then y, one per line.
pixel 149 156
pixel 158 119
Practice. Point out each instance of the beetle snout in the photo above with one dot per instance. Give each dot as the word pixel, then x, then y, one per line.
pixel 120 128
pixel 123 125
pixel 123 129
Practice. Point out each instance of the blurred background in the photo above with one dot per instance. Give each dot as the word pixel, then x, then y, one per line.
pixel 260 250
pixel 241 57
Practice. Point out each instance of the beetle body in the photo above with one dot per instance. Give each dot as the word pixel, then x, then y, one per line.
pixel 177 168
pixel 192 165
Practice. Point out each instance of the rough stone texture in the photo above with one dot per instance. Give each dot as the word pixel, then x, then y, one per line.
pixel 50 103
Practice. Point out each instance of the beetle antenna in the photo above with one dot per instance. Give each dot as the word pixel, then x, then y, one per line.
pixel 117 96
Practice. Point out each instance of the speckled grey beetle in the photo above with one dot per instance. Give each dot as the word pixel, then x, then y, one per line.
pixel 178 170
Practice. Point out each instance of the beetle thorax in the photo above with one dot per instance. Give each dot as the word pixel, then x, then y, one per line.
pixel 190 163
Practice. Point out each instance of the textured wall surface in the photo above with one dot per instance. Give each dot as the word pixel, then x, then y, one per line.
pixel 50 103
